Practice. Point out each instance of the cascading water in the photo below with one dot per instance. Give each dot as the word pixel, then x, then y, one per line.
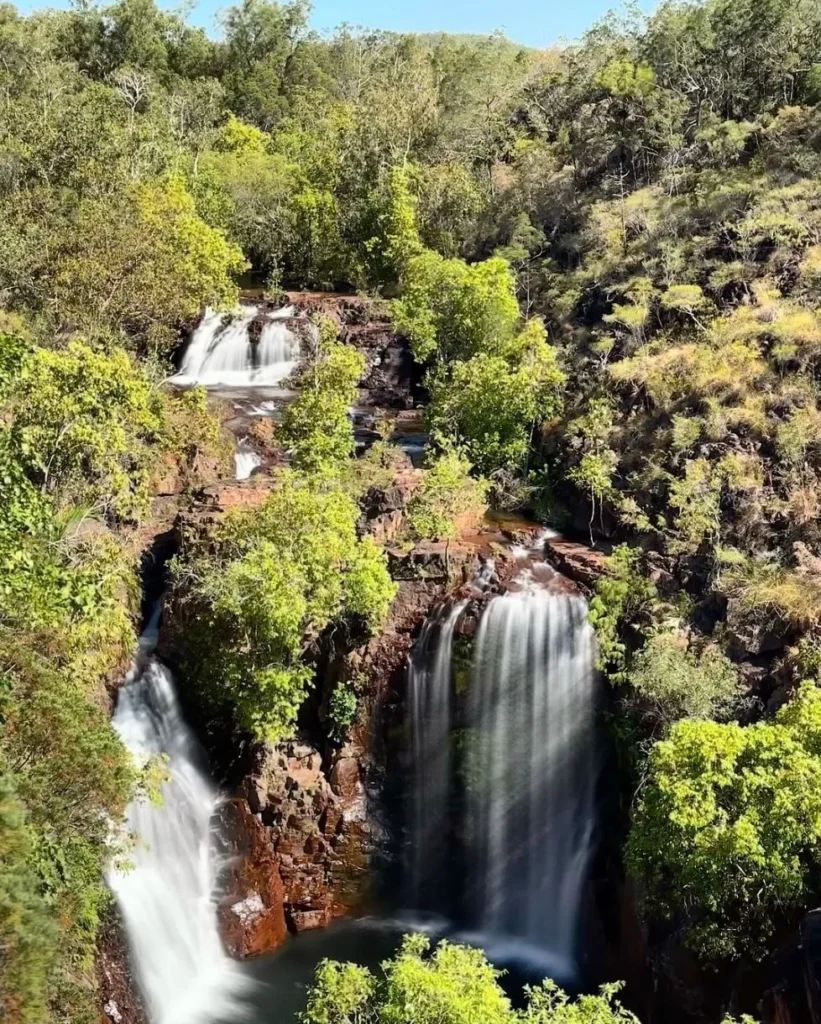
pixel 245 462
pixel 166 894
pixel 525 787
pixel 429 684
pixel 531 803
pixel 222 354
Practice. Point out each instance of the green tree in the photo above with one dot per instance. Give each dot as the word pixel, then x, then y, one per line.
pixel 316 429
pixel 727 827
pixel 450 985
pixel 251 596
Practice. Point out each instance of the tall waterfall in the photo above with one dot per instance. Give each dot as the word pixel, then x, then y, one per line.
pixel 165 897
pixel 222 354
pixel 532 799
pixel 429 683
pixel 521 789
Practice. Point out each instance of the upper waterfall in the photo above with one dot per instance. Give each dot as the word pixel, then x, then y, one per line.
pixel 166 893
pixel 223 352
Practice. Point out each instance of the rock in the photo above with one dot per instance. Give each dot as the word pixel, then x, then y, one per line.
pixel 581 563
pixel 433 560
pixel 119 1000
pixel 251 911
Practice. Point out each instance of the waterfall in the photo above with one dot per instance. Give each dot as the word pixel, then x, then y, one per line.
pixel 429 684
pixel 245 462
pixel 531 803
pixel 222 354
pixel 509 823
pixel 165 894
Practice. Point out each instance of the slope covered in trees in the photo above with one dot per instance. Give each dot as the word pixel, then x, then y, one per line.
pixel 606 259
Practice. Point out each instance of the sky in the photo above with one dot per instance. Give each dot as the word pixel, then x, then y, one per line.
pixel 530 22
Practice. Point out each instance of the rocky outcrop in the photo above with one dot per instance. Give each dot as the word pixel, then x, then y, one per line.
pixel 580 563
pixel 251 910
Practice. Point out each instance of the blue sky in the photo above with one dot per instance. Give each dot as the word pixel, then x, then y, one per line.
pixel 532 22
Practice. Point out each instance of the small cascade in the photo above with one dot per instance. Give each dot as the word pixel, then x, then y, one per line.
pixel 166 894
pixel 245 462
pixel 531 804
pixel 429 683
pixel 221 353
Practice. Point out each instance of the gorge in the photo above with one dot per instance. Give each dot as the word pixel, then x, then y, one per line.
pixel 445 412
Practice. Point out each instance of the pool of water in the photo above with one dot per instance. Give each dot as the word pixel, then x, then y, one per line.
pixel 277 984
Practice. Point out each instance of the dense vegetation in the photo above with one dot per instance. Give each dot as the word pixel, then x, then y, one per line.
pixel 606 258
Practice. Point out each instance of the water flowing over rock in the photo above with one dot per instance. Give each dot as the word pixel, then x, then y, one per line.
pixel 504 770
pixel 429 686
pixel 165 898
pixel 252 349
pixel 532 798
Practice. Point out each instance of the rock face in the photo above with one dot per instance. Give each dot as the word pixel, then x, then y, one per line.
pixel 251 911
pixel 304 819
pixel 580 563
pixel 118 999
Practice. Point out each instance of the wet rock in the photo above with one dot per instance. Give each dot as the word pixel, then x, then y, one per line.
pixel 251 911
pixel 119 999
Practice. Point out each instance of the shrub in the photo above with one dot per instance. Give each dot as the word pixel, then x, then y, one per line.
pixel 728 826
pixel 451 985
pixel 250 595
pixel 316 429
pixel 454 310
pixel 676 682
pixel 623 597
pixel 446 494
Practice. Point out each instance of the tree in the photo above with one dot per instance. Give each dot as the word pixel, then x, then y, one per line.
pixel 452 310
pixel 250 597
pixel 144 262
pixel 727 828
pixel 316 430
pixel 450 985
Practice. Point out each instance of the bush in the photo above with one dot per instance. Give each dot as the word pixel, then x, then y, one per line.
pixel 490 404
pixel 451 985
pixel 249 596
pixel 316 429
pixel 446 494
pixel 728 826
pixel 676 682
pixel 454 310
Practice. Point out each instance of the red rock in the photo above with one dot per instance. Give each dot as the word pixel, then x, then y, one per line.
pixel 251 913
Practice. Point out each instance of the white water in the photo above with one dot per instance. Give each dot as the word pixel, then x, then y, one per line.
pixel 245 462
pixel 531 805
pixel 429 684
pixel 220 353
pixel 166 897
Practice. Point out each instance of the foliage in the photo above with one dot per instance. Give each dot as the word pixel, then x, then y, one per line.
pixel 251 596
pixel 450 985
pixel 81 425
pixel 623 595
pixel 316 430
pixel 727 827
pixel 342 708
pixel 26 928
pixel 490 405
pixel 446 495
pixel 451 310
pixel 678 682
